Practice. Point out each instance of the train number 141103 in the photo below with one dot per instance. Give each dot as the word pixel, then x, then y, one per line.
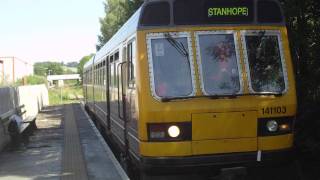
pixel 274 110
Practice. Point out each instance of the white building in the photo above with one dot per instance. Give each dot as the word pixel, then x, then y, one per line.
pixel 12 69
pixel 62 78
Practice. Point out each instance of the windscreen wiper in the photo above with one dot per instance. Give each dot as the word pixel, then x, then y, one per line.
pixel 177 45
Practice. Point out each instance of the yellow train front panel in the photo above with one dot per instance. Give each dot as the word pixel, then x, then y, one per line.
pixel 218 125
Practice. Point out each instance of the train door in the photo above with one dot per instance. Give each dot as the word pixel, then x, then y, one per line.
pixel 117 124
pixel 107 86
pixel 94 76
pixel 122 79
pixel 85 85
pixel 112 87
pixel 132 124
pixel 126 96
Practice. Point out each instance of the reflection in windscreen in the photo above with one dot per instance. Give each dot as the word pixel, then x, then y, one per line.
pixel 219 64
pixel 172 73
pixel 265 63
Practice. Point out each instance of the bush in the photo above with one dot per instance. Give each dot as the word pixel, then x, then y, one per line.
pixel 307 137
pixel 32 80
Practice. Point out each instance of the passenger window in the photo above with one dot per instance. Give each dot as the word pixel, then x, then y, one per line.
pixel 218 62
pixel 104 72
pixel 95 74
pixel 111 58
pixel 265 61
pixel 116 62
pixel 101 72
pixel 116 56
pixel 98 74
pixel 112 73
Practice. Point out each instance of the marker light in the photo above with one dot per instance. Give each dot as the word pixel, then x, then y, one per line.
pixel 173 131
pixel 284 127
pixel 157 131
pixel 272 126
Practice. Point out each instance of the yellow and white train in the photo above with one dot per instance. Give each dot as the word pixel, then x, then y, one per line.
pixel 188 83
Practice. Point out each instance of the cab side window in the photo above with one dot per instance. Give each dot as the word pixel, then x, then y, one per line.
pixel 131 64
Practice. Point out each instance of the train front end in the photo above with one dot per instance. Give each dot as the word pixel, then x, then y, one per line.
pixel 215 84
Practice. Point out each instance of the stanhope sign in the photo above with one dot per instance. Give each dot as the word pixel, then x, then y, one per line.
pixel 229 11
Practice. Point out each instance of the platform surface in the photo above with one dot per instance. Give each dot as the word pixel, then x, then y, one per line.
pixel 66 146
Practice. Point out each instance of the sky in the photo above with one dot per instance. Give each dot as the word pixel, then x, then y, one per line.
pixel 49 30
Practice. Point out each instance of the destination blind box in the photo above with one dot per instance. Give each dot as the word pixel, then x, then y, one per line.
pixel 229 11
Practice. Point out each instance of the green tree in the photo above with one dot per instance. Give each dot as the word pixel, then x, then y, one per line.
pixel 117 13
pixel 46 68
pixel 303 22
pixel 72 64
pixel 82 62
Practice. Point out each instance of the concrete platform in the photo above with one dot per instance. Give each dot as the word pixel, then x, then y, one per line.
pixel 66 146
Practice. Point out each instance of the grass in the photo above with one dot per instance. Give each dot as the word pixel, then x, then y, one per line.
pixel 65 95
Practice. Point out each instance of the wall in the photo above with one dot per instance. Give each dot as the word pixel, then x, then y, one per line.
pixel 33 97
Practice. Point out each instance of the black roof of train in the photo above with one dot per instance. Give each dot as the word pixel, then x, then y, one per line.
pixel 172 13
pixel 194 12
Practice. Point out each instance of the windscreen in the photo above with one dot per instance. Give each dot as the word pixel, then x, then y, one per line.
pixel 219 65
pixel 265 63
pixel 171 67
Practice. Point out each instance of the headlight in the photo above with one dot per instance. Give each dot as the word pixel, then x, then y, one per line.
pixel 180 131
pixel 173 131
pixel 275 126
pixel 272 126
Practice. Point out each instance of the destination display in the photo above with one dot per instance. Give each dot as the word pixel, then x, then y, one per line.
pixel 231 11
pixel 228 11
pixel 204 12
pixel 213 11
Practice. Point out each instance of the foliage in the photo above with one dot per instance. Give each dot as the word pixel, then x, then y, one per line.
pixel 303 22
pixel 117 13
pixel 46 68
pixel 69 70
pixel 72 64
pixel 31 80
pixel 82 62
